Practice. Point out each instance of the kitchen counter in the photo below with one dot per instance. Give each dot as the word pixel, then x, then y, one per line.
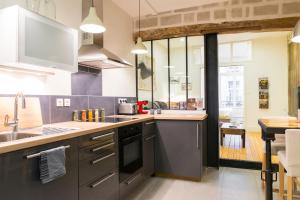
pixel 85 128
pixel 182 117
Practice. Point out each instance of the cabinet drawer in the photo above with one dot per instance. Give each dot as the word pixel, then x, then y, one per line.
pixel 131 184
pixel 99 137
pixel 98 149
pixel 149 128
pixel 104 188
pixel 96 167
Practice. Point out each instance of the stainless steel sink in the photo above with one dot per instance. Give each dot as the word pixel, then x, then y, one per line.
pixel 9 136
pixel 53 130
pixel 5 137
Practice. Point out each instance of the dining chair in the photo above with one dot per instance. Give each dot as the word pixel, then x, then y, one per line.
pixel 277 145
pixel 289 160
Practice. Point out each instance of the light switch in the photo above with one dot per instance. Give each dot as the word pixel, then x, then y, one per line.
pixel 67 102
pixel 59 102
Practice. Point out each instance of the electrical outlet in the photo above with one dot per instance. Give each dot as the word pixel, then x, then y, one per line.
pixel 59 102
pixel 67 102
pixel 122 100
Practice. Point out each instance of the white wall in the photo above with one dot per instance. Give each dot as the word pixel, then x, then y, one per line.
pixel 118 39
pixel 270 59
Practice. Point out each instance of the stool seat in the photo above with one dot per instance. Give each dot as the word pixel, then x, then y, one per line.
pixel 282 158
pixel 289 160
pixel 275 147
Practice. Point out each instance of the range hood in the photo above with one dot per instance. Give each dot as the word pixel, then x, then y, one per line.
pixel 92 54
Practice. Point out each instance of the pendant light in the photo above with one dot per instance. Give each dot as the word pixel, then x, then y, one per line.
pixel 139 48
pixel 296 35
pixel 92 23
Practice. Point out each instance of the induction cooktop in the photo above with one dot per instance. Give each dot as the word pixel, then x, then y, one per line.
pixel 116 119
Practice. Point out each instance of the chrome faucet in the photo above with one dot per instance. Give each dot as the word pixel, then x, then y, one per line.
pixel 15 122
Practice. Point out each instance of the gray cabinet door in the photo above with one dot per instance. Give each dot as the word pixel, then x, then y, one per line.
pixel 178 148
pixel 19 177
pixel 148 154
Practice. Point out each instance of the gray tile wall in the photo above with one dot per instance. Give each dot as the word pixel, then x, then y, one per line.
pixel 86 94
pixel 53 114
pixel 85 83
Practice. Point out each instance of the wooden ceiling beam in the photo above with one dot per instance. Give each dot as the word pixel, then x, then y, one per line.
pixel 221 28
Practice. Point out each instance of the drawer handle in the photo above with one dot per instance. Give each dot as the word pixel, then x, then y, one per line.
pixel 150 138
pixel 149 123
pixel 132 179
pixel 103 180
pixel 102 136
pixel 39 154
pixel 102 147
pixel 103 158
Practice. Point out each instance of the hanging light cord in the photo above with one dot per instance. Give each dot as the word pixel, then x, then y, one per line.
pixel 92 3
pixel 139 18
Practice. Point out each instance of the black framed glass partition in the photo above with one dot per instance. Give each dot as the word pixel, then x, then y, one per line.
pixel 160 74
pixel 144 75
pixel 171 75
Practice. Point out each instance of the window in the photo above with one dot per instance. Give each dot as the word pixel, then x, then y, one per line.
pixel 231 95
pixel 177 77
pixel 241 51
pixel 235 52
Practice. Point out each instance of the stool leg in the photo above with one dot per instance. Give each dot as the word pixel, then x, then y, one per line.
pixel 290 188
pixel 244 140
pixel 263 168
pixel 222 138
pixel 281 181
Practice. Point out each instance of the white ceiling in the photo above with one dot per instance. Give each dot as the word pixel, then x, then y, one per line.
pixel 131 6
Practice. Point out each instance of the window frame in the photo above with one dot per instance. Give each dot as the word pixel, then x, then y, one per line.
pixel 169 71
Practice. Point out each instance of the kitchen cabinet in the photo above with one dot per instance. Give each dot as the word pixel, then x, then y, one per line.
pixel 149 134
pixel 19 177
pixel 130 185
pixel 180 149
pixel 33 42
pixel 98 166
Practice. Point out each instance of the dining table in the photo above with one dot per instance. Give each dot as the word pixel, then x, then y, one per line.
pixel 270 127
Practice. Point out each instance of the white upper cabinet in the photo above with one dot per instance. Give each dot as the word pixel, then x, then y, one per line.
pixel 29 40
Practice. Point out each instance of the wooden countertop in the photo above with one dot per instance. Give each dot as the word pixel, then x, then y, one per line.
pixel 182 117
pixel 84 128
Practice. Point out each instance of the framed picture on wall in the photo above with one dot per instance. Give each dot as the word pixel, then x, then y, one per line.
pixel 263 85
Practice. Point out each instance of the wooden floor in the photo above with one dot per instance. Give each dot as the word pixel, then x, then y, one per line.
pixel 232 148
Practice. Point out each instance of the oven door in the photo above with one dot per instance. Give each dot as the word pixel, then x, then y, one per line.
pixel 131 155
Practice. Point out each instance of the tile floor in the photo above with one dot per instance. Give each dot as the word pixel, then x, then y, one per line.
pixel 225 184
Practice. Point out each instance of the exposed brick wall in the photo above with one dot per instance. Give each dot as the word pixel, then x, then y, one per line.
pixel 231 10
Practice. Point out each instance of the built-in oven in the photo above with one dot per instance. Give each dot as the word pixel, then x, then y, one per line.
pixel 130 150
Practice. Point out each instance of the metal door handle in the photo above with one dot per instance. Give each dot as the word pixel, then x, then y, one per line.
pixel 39 154
pixel 149 138
pixel 101 159
pixel 197 136
pixel 103 180
pixel 102 147
pixel 132 179
pixel 149 123
pixel 102 136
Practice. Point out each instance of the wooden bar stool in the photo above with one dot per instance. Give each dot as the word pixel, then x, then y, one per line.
pixel 277 145
pixel 289 160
